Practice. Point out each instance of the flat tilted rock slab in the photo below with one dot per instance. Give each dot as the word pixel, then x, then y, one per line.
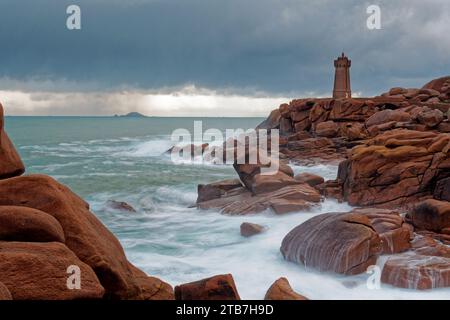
pixel 337 242
pixel 425 266
pixel 240 201
pixel 415 271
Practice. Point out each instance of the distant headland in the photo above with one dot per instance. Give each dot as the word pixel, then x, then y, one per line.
pixel 131 115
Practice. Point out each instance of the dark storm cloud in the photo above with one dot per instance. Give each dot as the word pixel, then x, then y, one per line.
pixel 274 46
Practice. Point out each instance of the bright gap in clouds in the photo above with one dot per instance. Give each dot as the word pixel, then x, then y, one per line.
pixel 189 101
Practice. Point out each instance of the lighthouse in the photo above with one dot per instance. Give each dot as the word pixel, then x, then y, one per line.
pixel 342 77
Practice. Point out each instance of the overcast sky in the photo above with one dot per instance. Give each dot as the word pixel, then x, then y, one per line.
pixel 209 57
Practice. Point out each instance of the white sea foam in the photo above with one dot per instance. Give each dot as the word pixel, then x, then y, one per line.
pixel 151 148
pixel 56 166
pixel 328 172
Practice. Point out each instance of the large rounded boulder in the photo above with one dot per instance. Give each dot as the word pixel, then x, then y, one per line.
pixel 41 271
pixel 30 225
pixel 10 163
pixel 337 242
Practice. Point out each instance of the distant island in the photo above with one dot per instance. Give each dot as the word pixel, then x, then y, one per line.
pixel 132 115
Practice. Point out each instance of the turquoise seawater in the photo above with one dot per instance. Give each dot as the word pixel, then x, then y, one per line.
pixel 103 158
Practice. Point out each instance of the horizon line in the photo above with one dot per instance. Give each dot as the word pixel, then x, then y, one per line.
pixel 125 117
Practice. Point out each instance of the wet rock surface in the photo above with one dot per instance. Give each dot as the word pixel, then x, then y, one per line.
pixel 120 205
pixel 309 178
pixel 281 290
pixel 426 266
pixel 432 215
pixel 395 234
pixel 240 201
pixel 337 242
pixel 220 287
pixel 250 229
pixel 397 168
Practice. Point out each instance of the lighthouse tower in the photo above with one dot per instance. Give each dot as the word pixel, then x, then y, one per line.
pixel 342 77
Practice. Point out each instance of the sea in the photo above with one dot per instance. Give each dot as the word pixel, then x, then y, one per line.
pixel 124 159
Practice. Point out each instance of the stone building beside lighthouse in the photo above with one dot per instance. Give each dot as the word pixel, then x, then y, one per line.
pixel 342 77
